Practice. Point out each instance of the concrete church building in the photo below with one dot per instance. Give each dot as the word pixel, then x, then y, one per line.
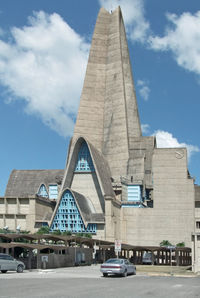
pixel 116 184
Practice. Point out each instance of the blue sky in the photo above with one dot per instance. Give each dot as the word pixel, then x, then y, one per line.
pixel 44 47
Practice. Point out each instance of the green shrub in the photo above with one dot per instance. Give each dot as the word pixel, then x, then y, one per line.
pixel 180 244
pixel 56 232
pixel 165 243
pixel 66 233
pixel 43 230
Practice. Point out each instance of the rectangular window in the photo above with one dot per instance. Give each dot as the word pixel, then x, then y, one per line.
pixel 23 201
pixel 134 193
pixel 53 191
pixel 198 224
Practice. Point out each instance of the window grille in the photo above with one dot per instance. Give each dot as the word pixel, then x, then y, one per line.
pixel 71 220
pixel 53 191
pixel 43 192
pixel 84 162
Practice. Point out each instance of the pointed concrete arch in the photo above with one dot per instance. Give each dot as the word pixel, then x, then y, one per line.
pixel 46 188
pixel 100 164
pixel 83 206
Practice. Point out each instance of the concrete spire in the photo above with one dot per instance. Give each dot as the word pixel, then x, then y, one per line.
pixel 108 113
pixel 89 122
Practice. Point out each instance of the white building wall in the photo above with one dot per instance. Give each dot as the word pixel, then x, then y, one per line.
pixel 172 217
pixel 87 185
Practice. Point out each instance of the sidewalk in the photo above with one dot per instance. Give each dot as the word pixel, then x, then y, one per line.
pixel 165 271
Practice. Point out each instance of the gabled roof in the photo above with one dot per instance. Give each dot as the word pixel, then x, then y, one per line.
pixel 84 207
pixel 25 183
pixel 100 164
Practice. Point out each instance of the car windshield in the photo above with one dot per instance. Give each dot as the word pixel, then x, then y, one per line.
pixel 115 261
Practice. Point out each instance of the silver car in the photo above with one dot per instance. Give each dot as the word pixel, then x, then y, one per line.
pixel 8 263
pixel 118 267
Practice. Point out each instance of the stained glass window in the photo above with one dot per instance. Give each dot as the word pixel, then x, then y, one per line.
pixel 43 192
pixel 68 217
pixel 84 162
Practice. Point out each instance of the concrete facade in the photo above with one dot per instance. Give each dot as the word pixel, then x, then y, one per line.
pixel 26 213
pixel 136 192
pixel 133 159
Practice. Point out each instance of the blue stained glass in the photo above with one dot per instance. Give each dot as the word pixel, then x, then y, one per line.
pixel 53 191
pixel 68 217
pixel 43 192
pixel 84 162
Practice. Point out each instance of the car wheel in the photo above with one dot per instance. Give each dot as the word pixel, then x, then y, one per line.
pixel 105 274
pixel 20 269
pixel 124 274
pixel 3 271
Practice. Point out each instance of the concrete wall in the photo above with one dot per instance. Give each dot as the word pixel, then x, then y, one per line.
pixel 22 212
pixel 87 184
pixel 112 220
pixel 42 210
pixel 172 217
pixel 196 252
pixel 197 216
pixel 67 259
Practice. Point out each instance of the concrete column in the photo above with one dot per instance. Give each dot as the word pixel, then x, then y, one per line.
pixel 158 257
pixel 152 262
pixel 30 255
pixel 104 255
pixel 38 259
pixel 12 252
pixel 177 257
pixel 195 254
pixel 17 205
pixel 6 206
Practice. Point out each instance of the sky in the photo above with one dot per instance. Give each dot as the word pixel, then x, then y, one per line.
pixel 44 47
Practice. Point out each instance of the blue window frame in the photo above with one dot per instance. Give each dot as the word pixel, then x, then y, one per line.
pixel 43 192
pixel 134 193
pixel 84 162
pixel 68 217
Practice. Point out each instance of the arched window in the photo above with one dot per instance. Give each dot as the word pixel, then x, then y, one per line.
pixel 84 162
pixel 68 217
pixel 43 192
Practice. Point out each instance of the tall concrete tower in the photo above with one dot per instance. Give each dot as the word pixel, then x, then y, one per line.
pixel 108 113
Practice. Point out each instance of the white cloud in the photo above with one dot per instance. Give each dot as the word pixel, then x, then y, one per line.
pixel 165 139
pixel 144 90
pixel 145 128
pixel 134 16
pixel 182 38
pixel 44 65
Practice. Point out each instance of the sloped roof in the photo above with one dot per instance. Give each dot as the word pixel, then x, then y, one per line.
pixel 100 164
pixel 23 183
pixel 84 206
pixel 85 209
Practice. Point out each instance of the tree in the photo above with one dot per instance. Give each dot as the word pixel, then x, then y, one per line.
pixel 180 244
pixel 56 232
pixel 43 230
pixel 165 243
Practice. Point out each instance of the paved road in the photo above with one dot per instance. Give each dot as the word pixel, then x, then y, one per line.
pixel 87 282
